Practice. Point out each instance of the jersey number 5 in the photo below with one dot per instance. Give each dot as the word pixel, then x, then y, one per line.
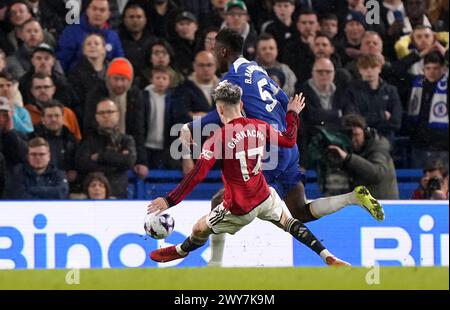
pixel 258 152
pixel 266 95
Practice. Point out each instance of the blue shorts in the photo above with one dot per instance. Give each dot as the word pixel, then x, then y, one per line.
pixel 287 173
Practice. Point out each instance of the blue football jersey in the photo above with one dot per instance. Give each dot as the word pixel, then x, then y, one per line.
pixel 263 98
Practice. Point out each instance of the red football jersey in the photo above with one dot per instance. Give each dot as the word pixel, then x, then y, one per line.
pixel 240 145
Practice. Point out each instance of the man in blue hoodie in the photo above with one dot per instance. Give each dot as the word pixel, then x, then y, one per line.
pixel 93 21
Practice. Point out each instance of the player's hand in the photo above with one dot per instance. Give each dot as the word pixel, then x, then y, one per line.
pixel 157 206
pixel 297 103
pixel 186 137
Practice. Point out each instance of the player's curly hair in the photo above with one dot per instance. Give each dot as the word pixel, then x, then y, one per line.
pixel 227 93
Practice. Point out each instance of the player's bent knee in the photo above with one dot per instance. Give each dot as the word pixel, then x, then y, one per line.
pixel 201 229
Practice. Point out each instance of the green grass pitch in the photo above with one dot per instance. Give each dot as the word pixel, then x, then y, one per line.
pixel 229 278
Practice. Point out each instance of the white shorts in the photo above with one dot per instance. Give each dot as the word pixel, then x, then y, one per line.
pixel 221 220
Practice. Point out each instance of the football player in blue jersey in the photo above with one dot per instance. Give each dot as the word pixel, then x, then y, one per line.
pixel 265 100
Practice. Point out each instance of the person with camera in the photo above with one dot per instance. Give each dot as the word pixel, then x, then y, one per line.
pixel 370 162
pixel 434 182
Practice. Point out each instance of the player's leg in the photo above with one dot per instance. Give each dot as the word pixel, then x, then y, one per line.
pixel 217 240
pixel 307 212
pixel 272 211
pixel 198 238
pixel 292 190
pixel 302 234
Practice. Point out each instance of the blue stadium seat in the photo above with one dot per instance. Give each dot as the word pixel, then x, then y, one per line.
pixel 161 182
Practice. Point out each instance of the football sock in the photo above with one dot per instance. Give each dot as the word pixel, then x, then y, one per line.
pixel 191 243
pixel 304 235
pixel 217 247
pixel 330 205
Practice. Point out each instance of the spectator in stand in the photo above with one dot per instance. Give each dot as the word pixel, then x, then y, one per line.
pixel 5 46
pixel 17 14
pixel 259 11
pixel 136 38
pixel 215 17
pixel 20 62
pixel 107 150
pixel 438 14
pixel 329 26
pixel 416 11
pixel 371 44
pixel 50 21
pixel 13 144
pixel 162 14
pixel 44 62
pixel 209 39
pixel 119 88
pixel 96 187
pixel 194 96
pixel 90 72
pixel 21 117
pixel 355 27
pixel 43 90
pixel 282 27
pixel 62 142
pixel 376 100
pixel 38 179
pixel 428 113
pixel 324 48
pixel 16 95
pixel 185 42
pixel 162 55
pixel 301 46
pixel 69 51
pixel 326 105
pixel 393 15
pixel 159 120
pixel 412 49
pixel 434 183
pixel 236 18
pixel 370 163
pixel 266 56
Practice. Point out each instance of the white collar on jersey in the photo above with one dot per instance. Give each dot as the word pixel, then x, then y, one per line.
pixel 240 61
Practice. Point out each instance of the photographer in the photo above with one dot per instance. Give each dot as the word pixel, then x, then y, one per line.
pixel 434 183
pixel 370 164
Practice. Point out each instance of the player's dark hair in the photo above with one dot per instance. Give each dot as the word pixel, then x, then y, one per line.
pixel 232 40
pixel 227 93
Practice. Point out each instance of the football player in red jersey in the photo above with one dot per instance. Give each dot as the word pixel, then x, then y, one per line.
pixel 240 144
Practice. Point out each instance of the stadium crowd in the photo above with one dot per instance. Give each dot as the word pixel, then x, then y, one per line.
pixel 83 103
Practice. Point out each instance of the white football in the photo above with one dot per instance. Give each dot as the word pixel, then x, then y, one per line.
pixel 159 226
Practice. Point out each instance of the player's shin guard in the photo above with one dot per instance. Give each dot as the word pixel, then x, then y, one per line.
pixel 325 206
pixel 191 243
pixel 304 235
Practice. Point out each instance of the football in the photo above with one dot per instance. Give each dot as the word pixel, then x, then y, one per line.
pixel 159 226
